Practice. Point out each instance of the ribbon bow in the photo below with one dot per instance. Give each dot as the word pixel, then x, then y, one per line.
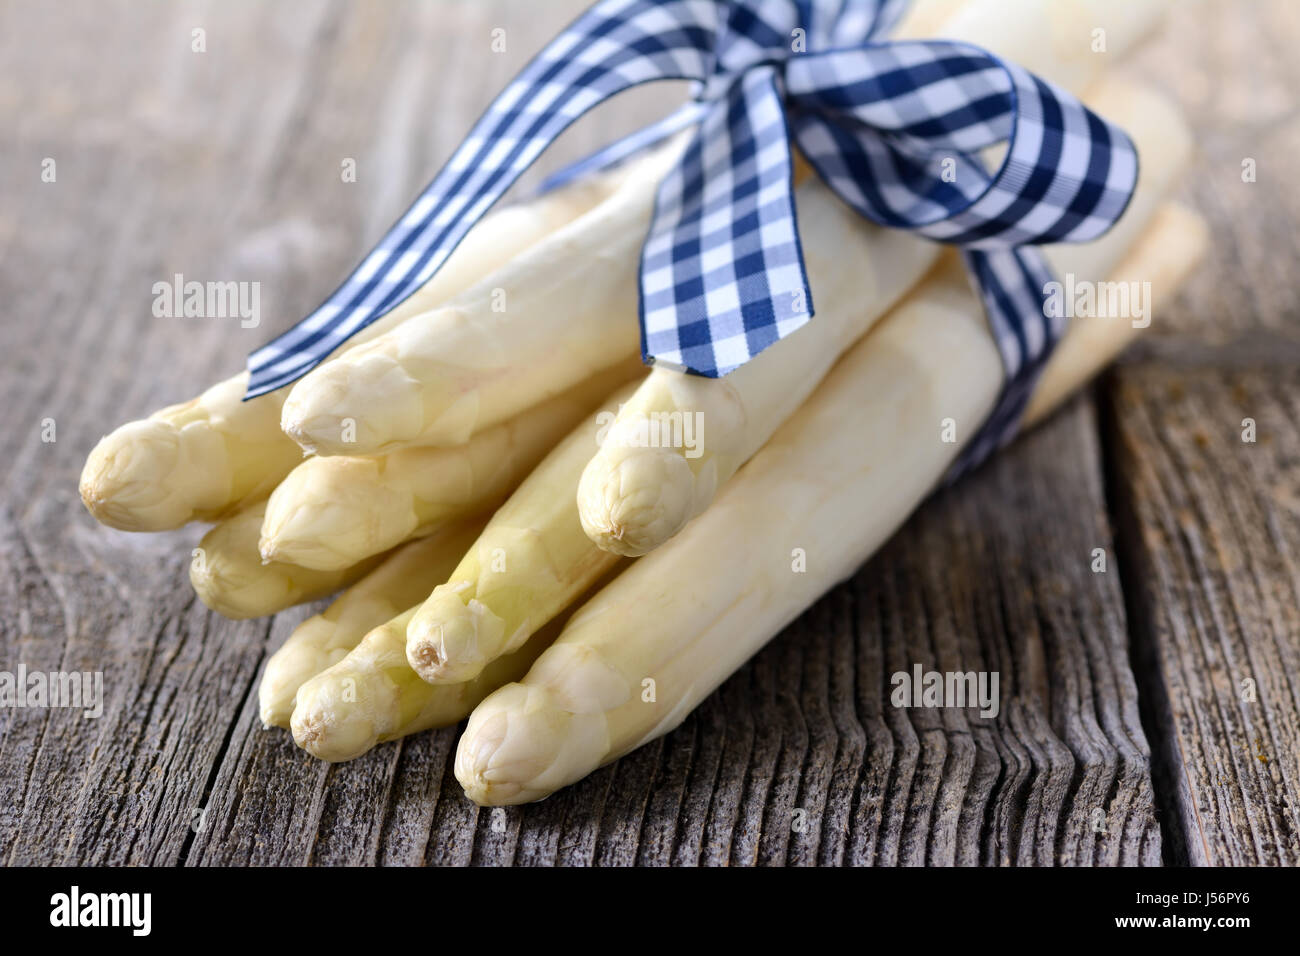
pixel 894 128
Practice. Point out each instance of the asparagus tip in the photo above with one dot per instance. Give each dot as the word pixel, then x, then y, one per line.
pixel 425 657
pixel 631 500
pixel 331 734
pixel 355 405
pixel 127 482
pixel 449 641
pixel 489 772
pixel 523 743
pixel 272 709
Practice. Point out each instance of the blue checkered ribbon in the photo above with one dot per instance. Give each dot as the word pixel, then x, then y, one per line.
pixel 894 128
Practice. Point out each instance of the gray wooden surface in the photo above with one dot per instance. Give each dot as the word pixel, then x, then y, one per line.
pixel 1123 738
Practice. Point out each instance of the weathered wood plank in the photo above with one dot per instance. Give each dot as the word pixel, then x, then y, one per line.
pixel 1193 499
pixel 1212 534
pixel 167 164
pixel 1234 72
pixel 122 788
pixel 763 774
pixel 996 575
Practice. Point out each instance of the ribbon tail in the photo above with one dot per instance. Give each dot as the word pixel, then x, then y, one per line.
pixel 722 272
pixel 1013 286
pixel 615 45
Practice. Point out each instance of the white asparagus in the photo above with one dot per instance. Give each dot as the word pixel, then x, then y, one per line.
pixel 331 512
pixel 933 359
pixel 687 616
pixel 372 695
pixel 1093 343
pixel 230 577
pixel 190 462
pixel 926 19
pixel 323 640
pixel 529 564
pixel 1070 42
pixel 548 319
pixel 202 459
pixel 680 436
pixel 641 488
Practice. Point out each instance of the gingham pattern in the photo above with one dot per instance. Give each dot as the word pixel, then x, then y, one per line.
pixel 894 128
pixel 722 275
pixel 615 45
pixel 1012 284
pixel 879 123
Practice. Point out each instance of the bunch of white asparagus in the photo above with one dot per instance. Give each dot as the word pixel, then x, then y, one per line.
pixel 476 477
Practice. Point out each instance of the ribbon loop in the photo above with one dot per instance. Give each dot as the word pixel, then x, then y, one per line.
pixel 897 129
pixel 722 275
pixel 615 45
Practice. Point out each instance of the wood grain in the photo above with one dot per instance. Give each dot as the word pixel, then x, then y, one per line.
pixel 225 164
pixel 1233 70
pixel 1212 532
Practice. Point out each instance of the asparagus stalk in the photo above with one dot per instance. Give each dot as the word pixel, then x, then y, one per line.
pixel 531 561
pixel 323 640
pixel 1069 42
pixel 637 658
pixel 229 576
pixel 332 512
pixel 189 462
pixel 207 457
pixel 926 19
pixel 642 487
pixel 372 695
pixel 1092 344
pixel 680 437
pixel 545 321
pixel 933 359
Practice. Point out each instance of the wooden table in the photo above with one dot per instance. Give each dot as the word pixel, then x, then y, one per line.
pixel 1151 712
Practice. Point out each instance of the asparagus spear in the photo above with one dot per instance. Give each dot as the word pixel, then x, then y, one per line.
pixel 332 512
pixel 429 384
pixel 372 695
pixel 325 639
pixel 637 493
pixel 229 576
pixel 531 561
pixel 207 457
pixel 680 437
pixel 1069 42
pixel 189 462
pixel 482 612
pixel 637 658
pixel 545 321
